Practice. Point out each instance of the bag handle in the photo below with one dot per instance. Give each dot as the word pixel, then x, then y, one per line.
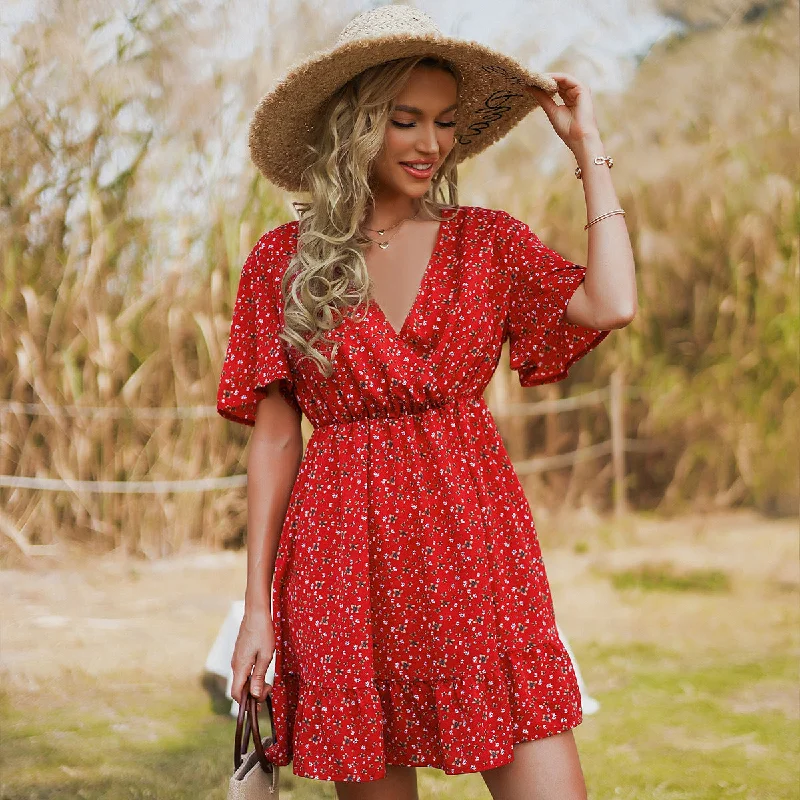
pixel 247 723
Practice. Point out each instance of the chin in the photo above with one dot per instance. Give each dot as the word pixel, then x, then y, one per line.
pixel 407 186
pixel 416 189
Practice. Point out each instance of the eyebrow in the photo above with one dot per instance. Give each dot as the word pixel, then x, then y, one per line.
pixel 418 111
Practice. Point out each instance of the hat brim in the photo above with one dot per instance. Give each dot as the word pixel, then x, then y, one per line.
pixel 492 98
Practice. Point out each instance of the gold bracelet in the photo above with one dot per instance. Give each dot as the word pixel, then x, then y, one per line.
pixel 603 216
pixel 598 160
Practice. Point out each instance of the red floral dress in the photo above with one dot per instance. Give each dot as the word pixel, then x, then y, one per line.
pixel 413 617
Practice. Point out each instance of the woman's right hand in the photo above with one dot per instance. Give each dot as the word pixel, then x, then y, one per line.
pixel 253 652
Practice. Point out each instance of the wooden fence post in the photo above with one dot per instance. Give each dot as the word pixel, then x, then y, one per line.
pixel 617 390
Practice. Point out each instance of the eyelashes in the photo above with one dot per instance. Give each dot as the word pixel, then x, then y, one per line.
pixel 411 124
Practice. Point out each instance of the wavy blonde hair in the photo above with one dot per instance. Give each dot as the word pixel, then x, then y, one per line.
pixel 331 273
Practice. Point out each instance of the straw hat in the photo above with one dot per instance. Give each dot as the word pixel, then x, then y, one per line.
pixel 491 99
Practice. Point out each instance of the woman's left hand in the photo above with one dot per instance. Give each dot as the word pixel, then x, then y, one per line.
pixel 574 120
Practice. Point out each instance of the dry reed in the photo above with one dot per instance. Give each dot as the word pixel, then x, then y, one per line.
pixel 108 302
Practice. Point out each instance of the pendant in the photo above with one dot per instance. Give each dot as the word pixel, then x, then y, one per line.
pixel 383 245
pixel 380 233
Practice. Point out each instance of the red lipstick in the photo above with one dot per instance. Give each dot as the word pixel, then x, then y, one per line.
pixel 411 167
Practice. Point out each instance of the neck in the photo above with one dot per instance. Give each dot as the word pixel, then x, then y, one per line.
pixel 386 209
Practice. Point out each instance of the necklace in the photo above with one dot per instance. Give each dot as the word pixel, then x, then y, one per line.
pixel 382 231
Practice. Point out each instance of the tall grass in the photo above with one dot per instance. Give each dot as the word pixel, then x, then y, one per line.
pixel 704 143
pixel 121 246
pixel 106 302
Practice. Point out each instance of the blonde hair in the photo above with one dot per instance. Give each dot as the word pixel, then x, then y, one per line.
pixel 331 273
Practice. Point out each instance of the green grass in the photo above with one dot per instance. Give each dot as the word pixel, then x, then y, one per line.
pixel 667 578
pixel 673 726
pixel 669 730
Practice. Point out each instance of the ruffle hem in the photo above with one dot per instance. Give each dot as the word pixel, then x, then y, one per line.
pixel 459 725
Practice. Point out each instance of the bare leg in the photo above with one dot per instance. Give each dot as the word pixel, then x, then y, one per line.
pixel 544 769
pixel 400 783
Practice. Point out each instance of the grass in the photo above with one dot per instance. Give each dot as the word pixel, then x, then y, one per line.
pixel 673 731
pixel 668 578
pixel 698 689
pixel 672 725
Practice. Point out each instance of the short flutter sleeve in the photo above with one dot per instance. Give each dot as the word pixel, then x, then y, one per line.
pixel 255 355
pixel 543 345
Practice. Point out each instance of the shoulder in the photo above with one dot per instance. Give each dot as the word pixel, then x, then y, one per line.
pixel 494 227
pixel 270 255
pixel 277 242
pixel 494 220
pixel 263 270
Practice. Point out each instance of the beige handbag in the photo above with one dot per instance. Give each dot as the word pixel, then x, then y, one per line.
pixel 254 778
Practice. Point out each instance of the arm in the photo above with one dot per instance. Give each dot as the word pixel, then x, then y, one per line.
pixel 276 448
pixel 607 297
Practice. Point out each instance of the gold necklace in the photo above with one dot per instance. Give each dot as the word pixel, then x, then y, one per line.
pixel 382 231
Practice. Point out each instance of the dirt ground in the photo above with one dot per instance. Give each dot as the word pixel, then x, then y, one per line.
pixel 128 620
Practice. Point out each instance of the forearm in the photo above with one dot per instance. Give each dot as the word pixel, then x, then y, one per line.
pixel 272 467
pixel 610 284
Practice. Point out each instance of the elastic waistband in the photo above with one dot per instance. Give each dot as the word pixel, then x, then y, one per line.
pixel 404 411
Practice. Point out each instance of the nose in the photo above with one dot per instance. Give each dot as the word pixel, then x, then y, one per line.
pixel 427 142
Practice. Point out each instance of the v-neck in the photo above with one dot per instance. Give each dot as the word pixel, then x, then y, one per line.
pixel 398 334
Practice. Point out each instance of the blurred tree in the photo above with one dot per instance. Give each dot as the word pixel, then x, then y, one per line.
pixel 702 14
pixel 128 203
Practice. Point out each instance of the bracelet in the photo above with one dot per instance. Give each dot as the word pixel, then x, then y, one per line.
pixel 598 160
pixel 603 216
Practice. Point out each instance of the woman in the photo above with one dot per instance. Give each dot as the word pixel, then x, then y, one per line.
pixel 411 616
